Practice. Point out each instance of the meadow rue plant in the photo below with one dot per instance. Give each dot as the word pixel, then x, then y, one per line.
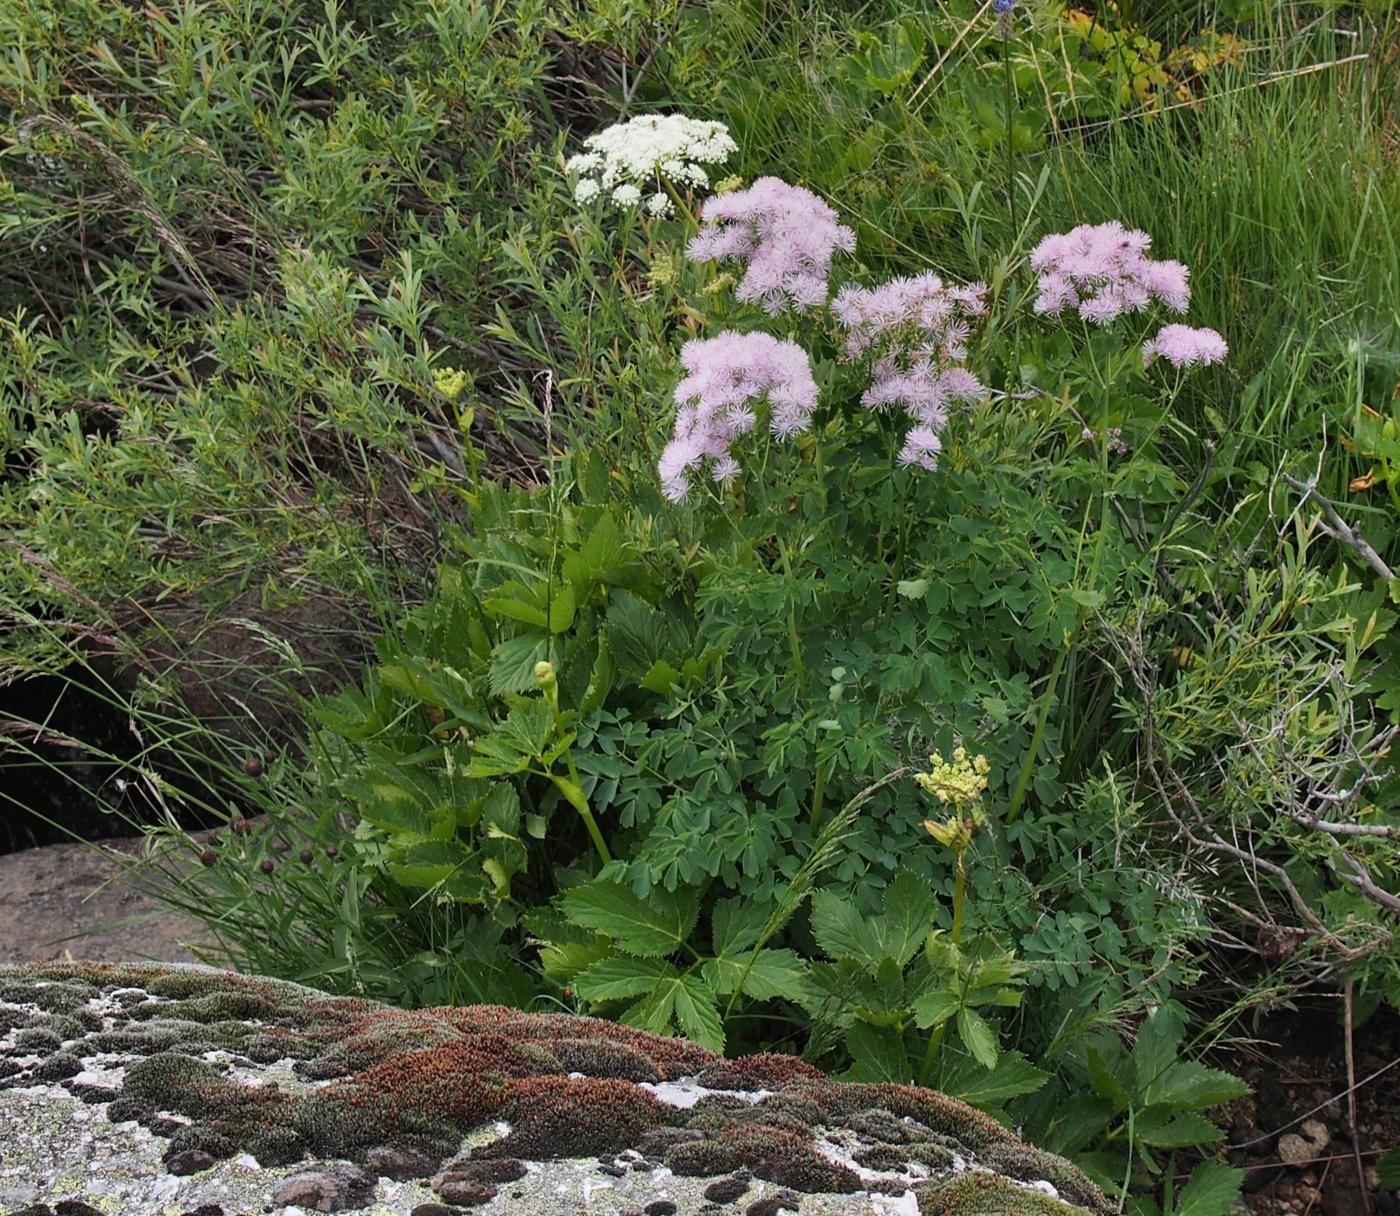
pixel 644 154
pixel 919 329
pixel 726 374
pixel 785 234
pixel 1102 272
pixel 1183 346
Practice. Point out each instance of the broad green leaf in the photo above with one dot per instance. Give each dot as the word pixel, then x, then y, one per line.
pixel 621 976
pixel 651 927
pixel 428 864
pixel 841 931
pixel 653 1012
pixel 1161 1128
pixel 1105 1081
pixel 773 975
pixel 563 960
pixel 909 907
pixel 1158 1040
pixel 1013 1076
pixel 1191 1086
pixel 934 1008
pixel 878 1052
pixel 978 1037
pixel 1388 1167
pixel 736 924
pixel 660 677
pixel 513 663
pixel 1079 1120
pixel 1210 1191
pixel 696 1013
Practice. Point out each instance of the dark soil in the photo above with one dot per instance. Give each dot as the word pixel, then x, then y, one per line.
pixel 55 768
pixel 1299 1073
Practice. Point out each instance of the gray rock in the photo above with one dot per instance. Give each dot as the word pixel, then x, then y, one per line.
pixel 336 1186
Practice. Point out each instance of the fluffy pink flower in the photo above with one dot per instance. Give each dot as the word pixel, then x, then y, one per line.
pixel 726 374
pixel 1102 271
pixel 1182 346
pixel 786 234
pixel 918 329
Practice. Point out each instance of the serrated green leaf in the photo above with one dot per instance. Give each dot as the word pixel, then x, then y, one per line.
pixel 1013 1076
pixel 1388 1169
pixel 909 907
pixel 513 662
pixel 769 975
pixel 878 1054
pixel 841 931
pixel 1158 1039
pixel 697 1014
pixel 1160 1127
pixel 622 976
pixel 978 1037
pixel 1210 1191
pixel 651 927
pixel 1191 1086
pixel 735 925
pixel 934 1008
pixel 1105 1081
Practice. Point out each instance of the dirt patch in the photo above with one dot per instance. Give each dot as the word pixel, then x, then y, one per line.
pixel 1293 1136
pixel 72 900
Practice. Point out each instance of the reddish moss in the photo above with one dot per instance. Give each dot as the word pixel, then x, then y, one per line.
pixel 575 1116
pixel 767 1070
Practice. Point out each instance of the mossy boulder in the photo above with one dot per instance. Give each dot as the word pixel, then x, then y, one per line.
pixel 161 1088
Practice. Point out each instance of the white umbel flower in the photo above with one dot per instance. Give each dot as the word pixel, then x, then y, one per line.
pixel 629 156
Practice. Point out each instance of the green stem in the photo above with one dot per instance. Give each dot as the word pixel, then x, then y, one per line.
pixel 586 812
pixel 793 644
pixel 959 896
pixel 818 793
pixel 1023 780
pixel 935 1041
pixel 1010 149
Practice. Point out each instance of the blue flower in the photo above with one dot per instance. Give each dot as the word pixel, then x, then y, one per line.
pixel 1003 6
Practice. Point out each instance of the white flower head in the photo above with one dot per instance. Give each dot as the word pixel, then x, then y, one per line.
pixel 628 157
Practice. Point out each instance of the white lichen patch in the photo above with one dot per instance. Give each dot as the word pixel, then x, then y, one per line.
pixel 687 1091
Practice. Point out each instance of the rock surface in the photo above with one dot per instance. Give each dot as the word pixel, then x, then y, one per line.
pixel 75 898
pixel 162 1090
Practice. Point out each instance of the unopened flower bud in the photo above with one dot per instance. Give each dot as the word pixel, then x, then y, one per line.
pixel 208 857
pixel 267 865
pixel 544 674
pixel 331 850
pixel 253 766
pixel 307 856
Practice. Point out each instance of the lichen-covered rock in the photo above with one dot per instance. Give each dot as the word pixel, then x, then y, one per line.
pixel 159 1089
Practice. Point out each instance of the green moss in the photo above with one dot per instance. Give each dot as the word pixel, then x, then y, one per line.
pixel 978 1193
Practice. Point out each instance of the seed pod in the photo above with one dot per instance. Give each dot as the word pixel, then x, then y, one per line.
pixel 306 857
pixel 253 766
pixel 267 865
pixel 331 850
pixel 208 857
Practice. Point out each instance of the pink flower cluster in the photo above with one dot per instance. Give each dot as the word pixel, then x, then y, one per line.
pixel 919 329
pixel 1102 271
pixel 1182 346
pixel 726 375
pixel 786 234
